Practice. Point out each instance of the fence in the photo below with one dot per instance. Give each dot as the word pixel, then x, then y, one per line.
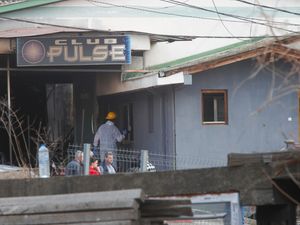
pixel 133 160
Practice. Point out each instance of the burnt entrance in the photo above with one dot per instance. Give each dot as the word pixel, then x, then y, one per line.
pixel 51 104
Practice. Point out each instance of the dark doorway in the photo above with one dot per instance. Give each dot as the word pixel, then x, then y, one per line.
pixel 29 97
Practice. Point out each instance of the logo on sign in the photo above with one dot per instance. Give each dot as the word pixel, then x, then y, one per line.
pixel 33 51
pixel 71 51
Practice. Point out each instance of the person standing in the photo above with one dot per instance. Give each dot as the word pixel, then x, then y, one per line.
pixel 107 136
pixel 75 167
pixel 106 166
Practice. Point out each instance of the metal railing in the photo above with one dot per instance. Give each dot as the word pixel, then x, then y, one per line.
pixel 133 160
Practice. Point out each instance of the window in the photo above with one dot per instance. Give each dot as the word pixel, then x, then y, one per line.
pixel 214 107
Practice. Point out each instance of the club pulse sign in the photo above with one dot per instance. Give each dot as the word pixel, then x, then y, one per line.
pixel 73 51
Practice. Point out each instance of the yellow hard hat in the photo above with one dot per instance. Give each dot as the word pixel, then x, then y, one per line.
pixel 111 116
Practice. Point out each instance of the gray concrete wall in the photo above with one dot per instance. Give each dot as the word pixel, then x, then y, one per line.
pixel 248 129
pixel 254 189
pixel 159 139
pixel 152 141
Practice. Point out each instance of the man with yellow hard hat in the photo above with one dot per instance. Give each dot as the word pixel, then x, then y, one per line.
pixel 107 137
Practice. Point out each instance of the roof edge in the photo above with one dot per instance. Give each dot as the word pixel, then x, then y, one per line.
pixel 208 56
pixel 192 59
pixel 25 5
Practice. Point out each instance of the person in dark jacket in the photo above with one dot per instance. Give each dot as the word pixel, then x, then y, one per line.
pixel 75 167
pixel 106 166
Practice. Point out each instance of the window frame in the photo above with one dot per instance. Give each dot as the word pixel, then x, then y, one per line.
pixel 215 91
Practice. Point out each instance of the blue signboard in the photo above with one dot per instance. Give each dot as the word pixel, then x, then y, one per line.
pixel 64 51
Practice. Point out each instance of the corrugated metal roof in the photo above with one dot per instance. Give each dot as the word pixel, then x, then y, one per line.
pixel 13 5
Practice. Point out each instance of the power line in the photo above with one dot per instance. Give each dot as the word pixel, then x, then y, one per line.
pixel 226 14
pixel 187 16
pixel 276 22
pixel 251 25
pixel 222 13
pixel 145 7
pixel 46 24
pixel 269 7
pixel 171 36
pixel 221 19
pixel 154 11
pixel 145 33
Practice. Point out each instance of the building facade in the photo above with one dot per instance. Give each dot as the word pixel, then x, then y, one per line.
pixel 188 89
